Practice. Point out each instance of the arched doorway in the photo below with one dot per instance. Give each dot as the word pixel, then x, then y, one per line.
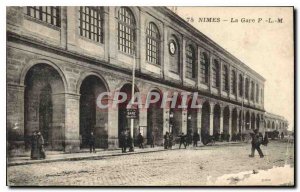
pixel 125 123
pixel 192 118
pixel 234 121
pixel 92 118
pixel 44 106
pixel 253 121
pixel 247 120
pixel 216 122
pixel 176 121
pixel 226 116
pixel 155 120
pixel 205 119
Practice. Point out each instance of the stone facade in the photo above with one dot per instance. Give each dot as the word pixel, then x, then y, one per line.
pixel 275 122
pixel 56 65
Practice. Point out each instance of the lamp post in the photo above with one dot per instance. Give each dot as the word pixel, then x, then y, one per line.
pixel 131 149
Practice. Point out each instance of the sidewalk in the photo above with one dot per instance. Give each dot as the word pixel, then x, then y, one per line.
pixel 53 156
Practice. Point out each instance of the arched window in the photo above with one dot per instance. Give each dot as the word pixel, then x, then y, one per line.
pixel 247 89
pixel 257 93
pixel 215 74
pixel 233 82
pixel 126 30
pixel 252 90
pixel 241 87
pixel 91 23
pixel 225 78
pixel 204 67
pixel 153 44
pixel 190 62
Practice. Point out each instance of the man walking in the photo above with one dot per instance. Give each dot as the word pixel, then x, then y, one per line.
pixel 166 140
pixel 34 146
pixel 257 139
pixel 182 140
pixel 123 141
pixel 92 143
pixel 140 140
pixel 196 138
pixel 152 140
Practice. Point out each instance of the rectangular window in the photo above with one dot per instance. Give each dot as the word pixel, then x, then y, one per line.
pixel 215 82
pixel 91 23
pixel 233 83
pixel 204 67
pixel 257 93
pixel 225 79
pixel 46 14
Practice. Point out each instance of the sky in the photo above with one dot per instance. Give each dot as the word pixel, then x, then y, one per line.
pixel 265 47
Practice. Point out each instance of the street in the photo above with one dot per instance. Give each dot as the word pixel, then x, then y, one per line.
pixel 193 166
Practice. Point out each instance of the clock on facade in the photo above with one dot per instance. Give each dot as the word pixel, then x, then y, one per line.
pixel 172 48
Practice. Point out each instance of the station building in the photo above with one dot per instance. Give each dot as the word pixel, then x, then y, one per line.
pixel 59 59
pixel 275 122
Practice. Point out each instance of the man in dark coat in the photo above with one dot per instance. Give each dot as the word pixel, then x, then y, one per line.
pixel 196 138
pixel 123 141
pixel 189 138
pixel 182 140
pixel 282 135
pixel 34 146
pixel 166 140
pixel 152 139
pixel 40 145
pixel 257 139
pixel 92 143
pixel 170 141
pixel 129 141
pixel 140 140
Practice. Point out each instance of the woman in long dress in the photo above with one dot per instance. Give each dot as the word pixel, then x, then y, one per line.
pixel 34 146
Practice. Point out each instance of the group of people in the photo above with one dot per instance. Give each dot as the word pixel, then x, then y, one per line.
pixel 185 140
pixel 37 146
pixel 168 140
pixel 38 151
pixel 126 141
pixel 221 136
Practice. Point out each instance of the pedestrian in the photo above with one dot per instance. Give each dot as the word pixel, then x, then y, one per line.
pixel 152 140
pixel 266 140
pixel 196 138
pixel 170 141
pixel 238 136
pixel 182 140
pixel 129 141
pixel 34 148
pixel 40 145
pixel 92 142
pixel 166 140
pixel 189 138
pixel 140 140
pixel 123 141
pixel 282 135
pixel 257 140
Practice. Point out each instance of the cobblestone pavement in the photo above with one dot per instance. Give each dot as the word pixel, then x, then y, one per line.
pixel 192 166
